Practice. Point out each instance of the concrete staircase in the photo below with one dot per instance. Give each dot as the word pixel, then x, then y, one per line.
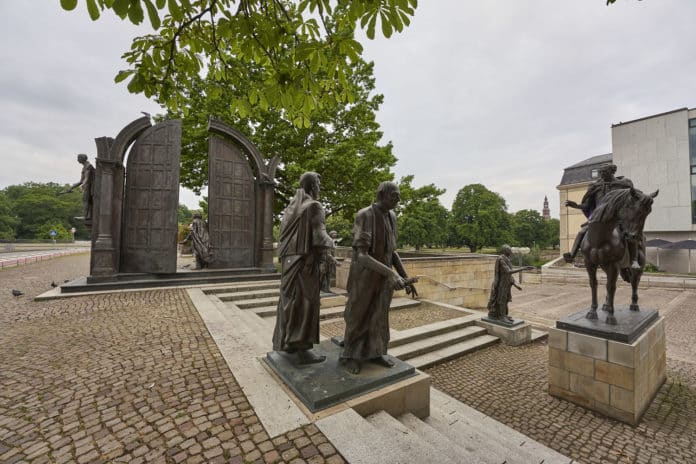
pixel 422 347
pixel 453 433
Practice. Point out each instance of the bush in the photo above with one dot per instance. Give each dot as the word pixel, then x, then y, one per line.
pixel 650 267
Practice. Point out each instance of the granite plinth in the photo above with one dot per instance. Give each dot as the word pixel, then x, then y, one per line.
pixel 630 324
pixel 514 334
pixel 503 323
pixel 326 384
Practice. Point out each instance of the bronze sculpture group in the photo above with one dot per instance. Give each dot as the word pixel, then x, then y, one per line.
pixel 612 238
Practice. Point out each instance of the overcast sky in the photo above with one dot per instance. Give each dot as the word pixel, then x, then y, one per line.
pixel 500 92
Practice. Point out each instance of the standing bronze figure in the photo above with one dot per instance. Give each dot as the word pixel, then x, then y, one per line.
pixel 501 289
pixel 371 282
pixel 86 184
pixel 303 252
pixel 200 241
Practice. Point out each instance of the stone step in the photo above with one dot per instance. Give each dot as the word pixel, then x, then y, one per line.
pixel 359 442
pixel 472 439
pixel 410 442
pixel 418 333
pixel 435 342
pixel 539 334
pixel 248 294
pixel 256 302
pixel 453 351
pixel 457 451
pixel 454 412
pixel 243 287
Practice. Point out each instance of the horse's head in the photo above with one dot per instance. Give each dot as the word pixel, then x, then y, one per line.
pixel 634 210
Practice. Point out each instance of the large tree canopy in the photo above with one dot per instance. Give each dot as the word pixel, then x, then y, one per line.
pixel 479 217
pixel 342 143
pixel 301 52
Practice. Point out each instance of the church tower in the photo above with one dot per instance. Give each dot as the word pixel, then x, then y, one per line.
pixel 546 212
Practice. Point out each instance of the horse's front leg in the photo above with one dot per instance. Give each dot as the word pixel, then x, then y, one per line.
pixel 592 273
pixel 635 280
pixel 612 271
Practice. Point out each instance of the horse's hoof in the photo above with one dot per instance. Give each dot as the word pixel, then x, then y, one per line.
pixel 634 307
pixel 592 314
pixel 611 320
pixel 605 307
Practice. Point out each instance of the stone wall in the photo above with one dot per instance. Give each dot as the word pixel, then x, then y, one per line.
pixel 457 280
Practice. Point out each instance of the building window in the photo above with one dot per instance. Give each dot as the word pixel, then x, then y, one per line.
pixel 692 162
pixel 595 173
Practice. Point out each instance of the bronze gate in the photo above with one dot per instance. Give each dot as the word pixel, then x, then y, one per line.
pixel 149 239
pixel 231 205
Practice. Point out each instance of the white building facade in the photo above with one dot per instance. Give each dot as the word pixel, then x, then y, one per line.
pixel 659 152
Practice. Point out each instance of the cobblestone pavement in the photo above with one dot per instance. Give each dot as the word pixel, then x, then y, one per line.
pixel 399 319
pixel 510 384
pixel 126 377
pixel 545 303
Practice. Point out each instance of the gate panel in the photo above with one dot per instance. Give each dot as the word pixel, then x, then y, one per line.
pixel 231 205
pixel 149 242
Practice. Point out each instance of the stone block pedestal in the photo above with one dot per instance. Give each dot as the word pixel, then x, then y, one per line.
pixel 617 379
pixel 515 334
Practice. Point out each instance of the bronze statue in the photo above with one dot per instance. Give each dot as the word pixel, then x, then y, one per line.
pixel 501 289
pixel 330 269
pixel 200 241
pixel 86 184
pixel 612 226
pixel 371 282
pixel 592 199
pixel 303 252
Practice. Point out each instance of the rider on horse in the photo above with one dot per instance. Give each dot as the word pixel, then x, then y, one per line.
pixel 593 198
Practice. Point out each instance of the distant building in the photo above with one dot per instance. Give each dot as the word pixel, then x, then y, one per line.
pixel 546 212
pixel 655 152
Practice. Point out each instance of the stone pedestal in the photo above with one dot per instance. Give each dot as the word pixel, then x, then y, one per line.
pixel 326 388
pixel 615 378
pixel 517 333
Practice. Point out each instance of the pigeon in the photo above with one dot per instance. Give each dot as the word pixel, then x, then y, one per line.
pixel 54 284
pixel 66 281
pixel 17 292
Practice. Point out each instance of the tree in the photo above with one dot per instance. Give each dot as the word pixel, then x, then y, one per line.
pixel 8 220
pixel 552 232
pixel 38 206
pixel 422 220
pixel 184 214
pixel 303 49
pixel 342 143
pixel 529 228
pixel 479 217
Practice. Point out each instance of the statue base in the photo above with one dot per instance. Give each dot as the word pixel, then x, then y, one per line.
pixel 514 334
pixel 630 324
pixel 326 384
pixel 615 378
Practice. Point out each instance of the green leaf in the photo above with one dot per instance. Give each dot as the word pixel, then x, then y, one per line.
pixel 160 4
pixel 68 5
pixel 93 9
pixel 371 27
pixel 152 14
pixel 135 13
pixel 122 75
pixel 386 25
pixel 120 7
pixel 175 11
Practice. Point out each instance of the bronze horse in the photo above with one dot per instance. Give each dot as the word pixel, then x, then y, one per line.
pixel 617 220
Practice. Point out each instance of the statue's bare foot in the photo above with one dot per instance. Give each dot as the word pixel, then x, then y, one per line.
pixel 309 357
pixel 383 361
pixel 352 366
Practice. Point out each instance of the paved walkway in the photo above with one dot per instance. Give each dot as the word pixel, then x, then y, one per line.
pixel 124 377
pixel 20 258
pixel 136 377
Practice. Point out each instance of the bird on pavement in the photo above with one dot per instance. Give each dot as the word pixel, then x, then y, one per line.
pixel 17 292
pixel 54 284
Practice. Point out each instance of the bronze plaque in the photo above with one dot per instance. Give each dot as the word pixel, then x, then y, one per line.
pixel 152 201
pixel 231 205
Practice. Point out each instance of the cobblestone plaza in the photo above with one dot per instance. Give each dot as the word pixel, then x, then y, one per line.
pixel 136 377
